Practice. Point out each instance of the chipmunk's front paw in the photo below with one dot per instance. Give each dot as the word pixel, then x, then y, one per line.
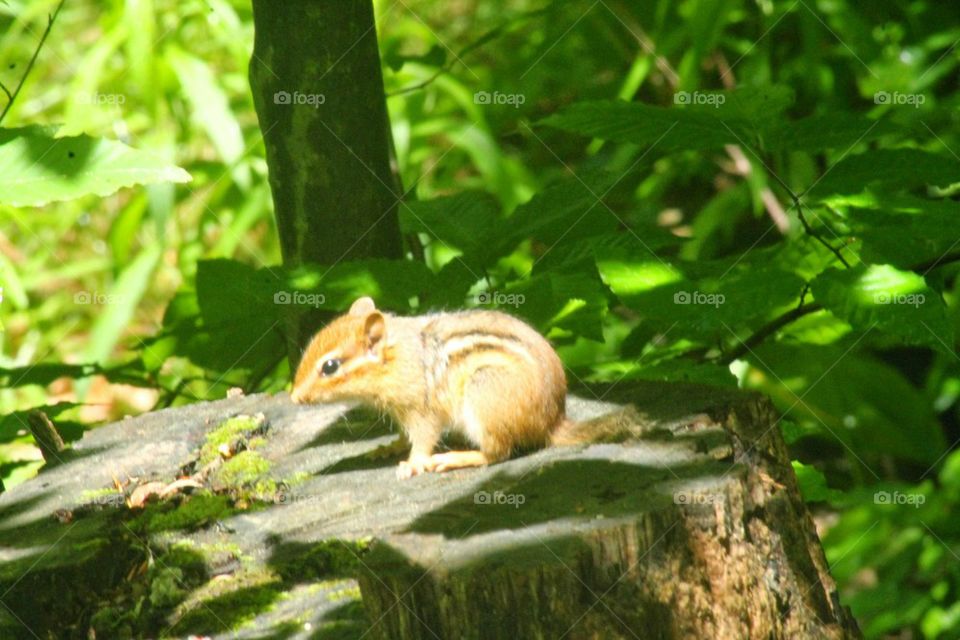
pixel 414 467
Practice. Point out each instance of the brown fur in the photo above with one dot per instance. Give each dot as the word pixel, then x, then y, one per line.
pixel 485 374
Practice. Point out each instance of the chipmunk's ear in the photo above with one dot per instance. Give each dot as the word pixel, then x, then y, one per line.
pixel 374 331
pixel 363 306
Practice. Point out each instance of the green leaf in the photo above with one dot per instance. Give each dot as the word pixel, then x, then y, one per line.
pixel 889 300
pixel 756 108
pixel 670 129
pixel 234 319
pixel 44 373
pixel 469 221
pixel 703 301
pixel 573 303
pixel 908 232
pixel 682 370
pixel 843 396
pixel 36 168
pixel 568 208
pixel 835 130
pixel 887 170
pixel 813 484
pixel 699 120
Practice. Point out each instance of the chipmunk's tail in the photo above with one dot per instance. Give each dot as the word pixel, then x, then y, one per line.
pixel 618 426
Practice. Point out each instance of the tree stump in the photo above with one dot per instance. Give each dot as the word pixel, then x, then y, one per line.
pixel 693 527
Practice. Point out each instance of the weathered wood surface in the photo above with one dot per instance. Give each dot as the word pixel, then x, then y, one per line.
pixel 696 529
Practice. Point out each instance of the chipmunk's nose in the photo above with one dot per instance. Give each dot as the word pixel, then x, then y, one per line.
pixel 296 396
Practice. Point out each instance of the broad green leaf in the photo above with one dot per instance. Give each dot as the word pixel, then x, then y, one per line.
pixel 669 129
pixel 884 298
pixel 37 168
pixel 680 370
pixel 698 120
pixel 908 232
pixel 640 240
pixel 756 108
pixel 887 170
pixel 837 130
pixel 706 299
pixel 469 221
pixel 569 208
pixel 44 373
pixel 844 396
pixel 234 319
pixel 813 484
pixel 393 284
pixel 573 303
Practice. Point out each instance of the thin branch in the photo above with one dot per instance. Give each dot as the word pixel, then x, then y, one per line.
pixel 494 33
pixel 763 333
pixel 930 265
pixel 46 32
pixel 816 236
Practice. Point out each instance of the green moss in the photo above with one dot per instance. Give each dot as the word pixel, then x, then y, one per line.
pixel 246 475
pixel 194 512
pixel 114 622
pixel 242 470
pixel 91 545
pixel 165 590
pixel 236 428
pixel 327 559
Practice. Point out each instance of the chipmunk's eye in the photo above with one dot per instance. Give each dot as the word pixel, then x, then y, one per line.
pixel 330 367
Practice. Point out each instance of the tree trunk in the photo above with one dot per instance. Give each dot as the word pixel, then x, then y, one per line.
pixel 701 533
pixel 318 90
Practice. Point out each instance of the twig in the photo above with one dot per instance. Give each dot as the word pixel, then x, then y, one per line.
pixel 806 225
pixel 494 33
pixel 763 333
pixel 46 32
pixel 813 234
pixel 47 437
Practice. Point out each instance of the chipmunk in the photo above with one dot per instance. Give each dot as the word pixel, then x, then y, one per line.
pixel 485 374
